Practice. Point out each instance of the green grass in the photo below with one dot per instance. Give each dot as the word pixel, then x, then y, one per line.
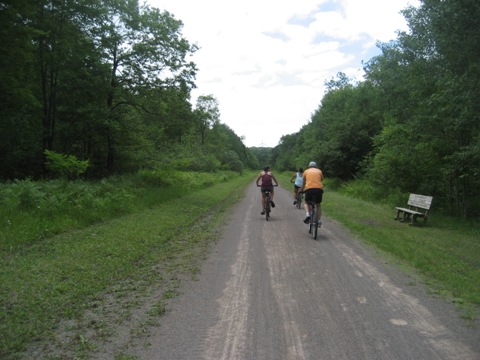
pixel 106 264
pixel 57 279
pixel 445 252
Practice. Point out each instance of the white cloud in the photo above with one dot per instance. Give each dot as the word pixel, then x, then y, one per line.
pixel 266 61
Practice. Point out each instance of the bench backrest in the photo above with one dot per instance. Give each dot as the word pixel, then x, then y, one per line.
pixel 420 201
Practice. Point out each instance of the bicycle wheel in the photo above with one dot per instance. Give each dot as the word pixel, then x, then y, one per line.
pixel 267 207
pixel 299 200
pixel 314 224
pixel 310 223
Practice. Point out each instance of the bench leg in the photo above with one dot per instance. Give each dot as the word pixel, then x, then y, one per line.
pixel 398 215
pixel 414 220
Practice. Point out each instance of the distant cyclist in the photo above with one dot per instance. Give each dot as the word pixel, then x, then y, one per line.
pixel 313 188
pixel 298 176
pixel 266 177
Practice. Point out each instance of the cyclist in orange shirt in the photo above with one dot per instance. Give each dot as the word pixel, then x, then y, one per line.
pixel 313 188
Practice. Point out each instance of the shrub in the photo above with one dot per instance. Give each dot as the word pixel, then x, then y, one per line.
pixel 65 166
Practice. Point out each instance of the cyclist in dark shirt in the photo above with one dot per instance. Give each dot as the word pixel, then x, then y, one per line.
pixel 266 177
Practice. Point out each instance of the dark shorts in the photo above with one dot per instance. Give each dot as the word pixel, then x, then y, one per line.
pixel 314 195
pixel 268 188
pixel 296 187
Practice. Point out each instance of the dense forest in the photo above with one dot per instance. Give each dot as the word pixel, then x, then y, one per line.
pixel 95 88
pixel 100 88
pixel 412 124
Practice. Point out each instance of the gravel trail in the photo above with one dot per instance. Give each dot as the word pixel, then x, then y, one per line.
pixel 269 291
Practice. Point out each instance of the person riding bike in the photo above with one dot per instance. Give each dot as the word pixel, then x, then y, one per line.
pixel 313 188
pixel 298 176
pixel 267 179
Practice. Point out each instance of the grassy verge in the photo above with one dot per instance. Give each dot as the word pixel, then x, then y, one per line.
pixel 60 278
pixel 32 211
pixel 446 252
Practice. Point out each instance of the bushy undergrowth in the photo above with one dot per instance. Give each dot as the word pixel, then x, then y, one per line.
pixel 33 210
pixel 442 202
pixel 187 179
pixel 365 190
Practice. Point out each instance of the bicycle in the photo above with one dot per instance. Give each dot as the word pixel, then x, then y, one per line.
pixel 313 224
pixel 268 205
pixel 298 200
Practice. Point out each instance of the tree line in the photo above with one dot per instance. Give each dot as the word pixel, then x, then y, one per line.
pixel 412 124
pixel 108 84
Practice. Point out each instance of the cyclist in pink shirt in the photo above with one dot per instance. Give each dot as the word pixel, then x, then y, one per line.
pixel 267 180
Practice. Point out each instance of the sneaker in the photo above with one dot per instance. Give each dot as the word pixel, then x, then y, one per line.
pixel 263 212
pixel 307 220
pixel 273 204
pixel 295 202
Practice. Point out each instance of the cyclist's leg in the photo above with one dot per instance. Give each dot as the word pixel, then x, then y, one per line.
pixel 315 224
pixel 271 197
pixel 318 201
pixel 319 211
pixel 307 207
pixel 263 201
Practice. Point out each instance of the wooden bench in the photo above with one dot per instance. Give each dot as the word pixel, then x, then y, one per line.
pixel 415 203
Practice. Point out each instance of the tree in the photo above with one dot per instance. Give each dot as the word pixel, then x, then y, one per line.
pixel 207 114
pixel 79 75
pixel 339 136
pixel 263 156
pixel 284 155
pixel 20 133
pixel 145 51
pixel 413 125
pixel 437 100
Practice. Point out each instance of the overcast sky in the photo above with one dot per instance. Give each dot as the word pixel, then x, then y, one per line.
pixel 266 61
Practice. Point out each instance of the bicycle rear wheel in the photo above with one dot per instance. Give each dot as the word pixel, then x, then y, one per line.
pixel 310 224
pixel 299 200
pixel 314 224
pixel 267 208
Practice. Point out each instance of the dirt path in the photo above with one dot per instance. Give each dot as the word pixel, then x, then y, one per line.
pixel 269 291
